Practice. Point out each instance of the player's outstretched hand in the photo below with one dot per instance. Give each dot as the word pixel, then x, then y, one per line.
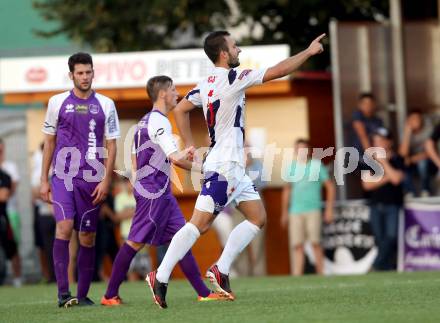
pixel 316 46
pixel 45 192
pixel 100 192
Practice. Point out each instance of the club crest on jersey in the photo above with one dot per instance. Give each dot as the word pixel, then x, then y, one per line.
pixel 211 79
pixel 69 108
pixel 159 132
pixel 93 108
pixel 244 73
pixel 81 108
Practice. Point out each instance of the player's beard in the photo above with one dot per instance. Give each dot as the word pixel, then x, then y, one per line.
pixel 233 62
pixel 81 87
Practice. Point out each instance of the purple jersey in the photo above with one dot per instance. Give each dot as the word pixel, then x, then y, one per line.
pixel 153 142
pixel 81 125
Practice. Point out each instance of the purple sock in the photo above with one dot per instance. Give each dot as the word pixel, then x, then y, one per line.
pixel 119 270
pixel 60 264
pixel 85 267
pixel 191 270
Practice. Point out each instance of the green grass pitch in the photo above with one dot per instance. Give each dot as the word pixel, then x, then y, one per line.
pixel 376 297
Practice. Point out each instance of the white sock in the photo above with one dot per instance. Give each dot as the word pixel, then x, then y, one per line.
pixel 239 238
pixel 181 243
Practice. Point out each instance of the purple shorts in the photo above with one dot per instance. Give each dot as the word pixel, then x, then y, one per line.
pixel 155 221
pixel 75 205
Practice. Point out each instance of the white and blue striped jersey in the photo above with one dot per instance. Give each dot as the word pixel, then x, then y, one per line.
pixel 222 97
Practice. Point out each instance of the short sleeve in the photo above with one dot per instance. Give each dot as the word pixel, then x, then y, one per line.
pixel 243 79
pixel 436 133
pixel 357 116
pixel 159 130
pixel 323 174
pixel 111 121
pixel 193 96
pixel 51 119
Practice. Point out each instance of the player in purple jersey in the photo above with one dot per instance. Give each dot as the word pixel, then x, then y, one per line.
pixel 157 217
pixel 221 95
pixel 81 128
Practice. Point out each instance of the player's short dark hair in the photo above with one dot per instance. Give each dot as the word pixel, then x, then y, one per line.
pixel 79 58
pixel 214 43
pixel 415 111
pixel 366 95
pixel 302 141
pixel 157 83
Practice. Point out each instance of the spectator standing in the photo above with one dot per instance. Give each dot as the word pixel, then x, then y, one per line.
pixel 7 242
pixel 125 205
pixel 302 204
pixel 106 243
pixel 44 224
pixel 11 170
pixel 386 200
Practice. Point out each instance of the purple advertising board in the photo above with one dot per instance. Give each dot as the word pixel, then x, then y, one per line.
pixel 419 237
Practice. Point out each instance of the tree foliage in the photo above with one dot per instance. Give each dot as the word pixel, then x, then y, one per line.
pixel 298 22
pixel 121 25
pixel 130 25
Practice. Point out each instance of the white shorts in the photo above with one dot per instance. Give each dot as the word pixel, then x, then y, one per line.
pixel 223 185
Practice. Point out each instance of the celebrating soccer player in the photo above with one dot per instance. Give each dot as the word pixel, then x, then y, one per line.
pixel 78 125
pixel 221 95
pixel 157 217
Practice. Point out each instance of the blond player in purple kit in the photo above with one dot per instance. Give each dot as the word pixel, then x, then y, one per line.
pixel 158 216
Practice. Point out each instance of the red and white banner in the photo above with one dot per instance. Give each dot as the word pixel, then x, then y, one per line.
pixel 125 70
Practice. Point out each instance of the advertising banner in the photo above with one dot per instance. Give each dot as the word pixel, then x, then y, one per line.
pixel 419 236
pixel 348 242
pixel 126 70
